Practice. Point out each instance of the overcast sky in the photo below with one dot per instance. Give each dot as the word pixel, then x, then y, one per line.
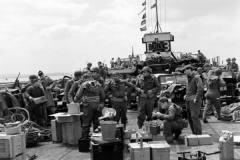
pixel 62 35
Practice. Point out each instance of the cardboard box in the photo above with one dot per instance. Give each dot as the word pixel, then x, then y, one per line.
pixel 56 129
pixel 139 152
pixel 12 145
pixel 73 108
pixel 191 140
pixel 160 150
pixel 204 139
pixel 196 140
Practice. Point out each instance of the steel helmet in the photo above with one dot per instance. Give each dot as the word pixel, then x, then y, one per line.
pixel 148 69
pixel 77 73
pixel 228 60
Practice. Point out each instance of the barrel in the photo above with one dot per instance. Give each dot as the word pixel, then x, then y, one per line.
pixel 108 130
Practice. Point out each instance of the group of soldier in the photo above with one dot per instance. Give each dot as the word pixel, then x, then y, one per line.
pixel 91 86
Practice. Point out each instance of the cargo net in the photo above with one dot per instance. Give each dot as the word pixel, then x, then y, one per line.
pixel 34 132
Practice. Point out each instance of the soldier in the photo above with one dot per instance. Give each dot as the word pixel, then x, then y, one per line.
pixel 117 90
pixel 148 86
pixel 88 68
pixel 76 85
pixel 48 84
pixel 234 65
pixel 229 64
pixel 173 122
pixel 37 111
pixel 194 92
pixel 212 95
pixel 77 76
pixel 92 96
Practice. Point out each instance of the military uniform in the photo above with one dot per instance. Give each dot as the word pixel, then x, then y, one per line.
pixel 234 67
pixel 150 86
pixel 37 111
pixel 194 92
pixel 173 122
pixel 117 95
pixel 73 90
pixel 67 89
pixel 212 95
pixel 92 95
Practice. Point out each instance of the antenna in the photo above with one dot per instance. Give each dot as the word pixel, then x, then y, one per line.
pixel 158 27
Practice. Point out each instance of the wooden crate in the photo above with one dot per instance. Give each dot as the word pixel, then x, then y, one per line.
pixel 191 140
pixel 71 132
pixel 160 150
pixel 56 129
pixel 204 139
pixel 12 145
pixel 139 152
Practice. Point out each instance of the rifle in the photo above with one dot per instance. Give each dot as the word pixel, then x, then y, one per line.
pixel 16 83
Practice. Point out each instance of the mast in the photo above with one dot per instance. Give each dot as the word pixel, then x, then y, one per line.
pixel 158 27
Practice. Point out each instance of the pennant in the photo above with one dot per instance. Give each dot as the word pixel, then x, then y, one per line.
pixel 144 16
pixel 144 3
pixel 143 28
pixel 154 5
pixel 143 22
pixel 142 10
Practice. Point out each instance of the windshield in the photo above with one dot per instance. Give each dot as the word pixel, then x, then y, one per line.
pixel 177 79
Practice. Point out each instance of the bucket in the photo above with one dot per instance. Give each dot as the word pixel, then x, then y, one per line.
pixel 108 130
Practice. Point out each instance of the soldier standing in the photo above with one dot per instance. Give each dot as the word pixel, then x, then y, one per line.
pixel 117 90
pixel 194 92
pixel 148 86
pixel 77 76
pixel 229 64
pixel 92 96
pixel 212 95
pixel 234 65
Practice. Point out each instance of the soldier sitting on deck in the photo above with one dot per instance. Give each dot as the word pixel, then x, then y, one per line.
pixel 173 122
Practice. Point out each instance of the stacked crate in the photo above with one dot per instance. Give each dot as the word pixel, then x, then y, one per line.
pixel 12 147
pixel 66 128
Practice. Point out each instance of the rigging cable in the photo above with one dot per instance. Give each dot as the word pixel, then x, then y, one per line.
pixel 160 15
pixel 151 16
pixel 165 10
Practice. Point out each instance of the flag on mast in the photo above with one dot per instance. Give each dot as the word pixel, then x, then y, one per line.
pixel 142 10
pixel 154 5
pixel 144 3
pixel 143 28
pixel 144 16
pixel 143 22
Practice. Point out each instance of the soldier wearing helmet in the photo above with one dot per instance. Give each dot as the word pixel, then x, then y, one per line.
pixel 117 91
pixel 88 68
pixel 212 95
pixel 234 65
pixel 76 84
pixel 91 95
pixel 69 84
pixel 35 90
pixel 229 64
pixel 147 86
